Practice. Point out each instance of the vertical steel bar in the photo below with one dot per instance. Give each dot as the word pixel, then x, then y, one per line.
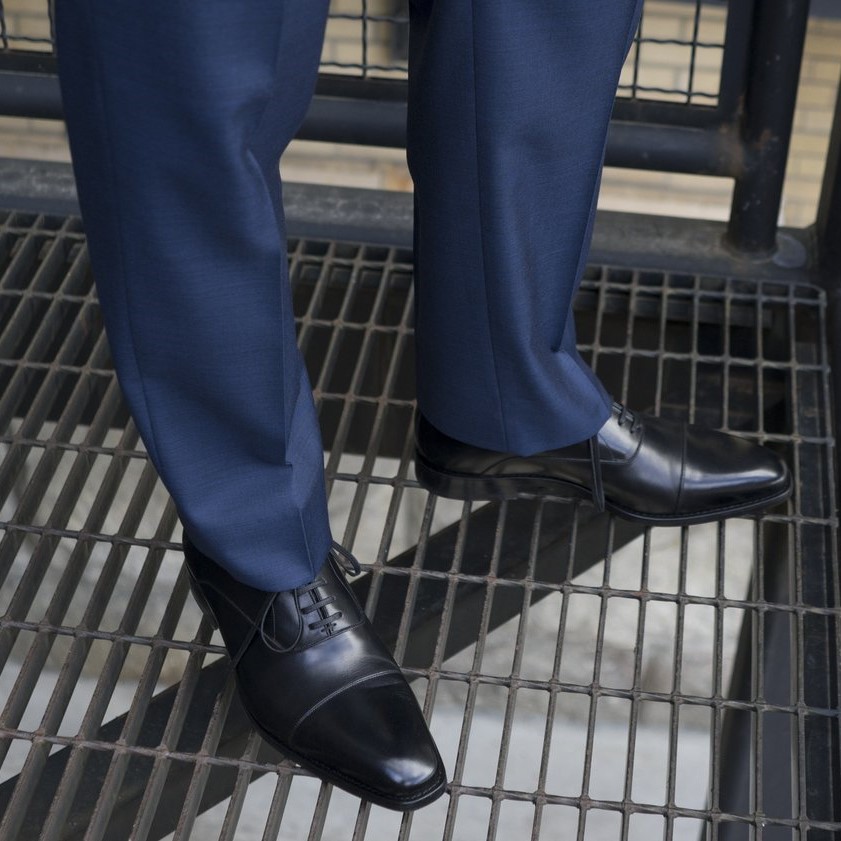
pixel 595 693
pixel 4 34
pixel 828 224
pixel 237 801
pixel 365 36
pixel 554 682
pixel 636 684
pixel 776 51
pixel 473 684
pixel 511 701
pixel 277 808
pixel 319 816
pixel 677 671
pixel 755 751
pixel 693 54
pixel 376 575
pixel 734 61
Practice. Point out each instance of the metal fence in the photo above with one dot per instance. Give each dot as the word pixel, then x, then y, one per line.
pixel 715 122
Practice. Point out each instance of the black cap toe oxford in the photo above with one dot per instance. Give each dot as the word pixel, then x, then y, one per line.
pixel 640 467
pixel 320 686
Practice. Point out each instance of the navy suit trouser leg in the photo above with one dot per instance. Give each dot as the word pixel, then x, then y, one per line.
pixel 509 109
pixel 177 114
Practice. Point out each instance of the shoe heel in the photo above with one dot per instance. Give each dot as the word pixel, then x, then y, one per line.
pixel 201 601
pixel 458 487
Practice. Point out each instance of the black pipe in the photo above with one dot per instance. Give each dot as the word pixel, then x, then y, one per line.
pixel 752 779
pixel 372 112
pixel 776 52
pixel 828 224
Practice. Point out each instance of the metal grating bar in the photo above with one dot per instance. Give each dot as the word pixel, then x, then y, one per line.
pixel 552 649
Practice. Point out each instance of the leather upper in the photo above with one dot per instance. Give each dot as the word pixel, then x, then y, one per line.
pixel 647 464
pixel 321 684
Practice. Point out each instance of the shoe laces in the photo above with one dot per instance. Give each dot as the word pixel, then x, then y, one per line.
pixel 625 414
pixel 324 621
pixel 596 466
pixel 345 560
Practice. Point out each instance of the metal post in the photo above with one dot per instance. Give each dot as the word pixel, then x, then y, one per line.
pixel 775 54
pixel 828 224
pixel 758 750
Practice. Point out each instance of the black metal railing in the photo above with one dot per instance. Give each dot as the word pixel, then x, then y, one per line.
pixel 738 129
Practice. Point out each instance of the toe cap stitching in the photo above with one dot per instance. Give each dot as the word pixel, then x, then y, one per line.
pixel 337 692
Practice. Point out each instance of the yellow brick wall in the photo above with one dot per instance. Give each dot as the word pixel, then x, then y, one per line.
pixel 28 20
pixel 815 102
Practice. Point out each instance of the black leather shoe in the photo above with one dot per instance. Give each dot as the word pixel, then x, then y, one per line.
pixel 640 467
pixel 320 686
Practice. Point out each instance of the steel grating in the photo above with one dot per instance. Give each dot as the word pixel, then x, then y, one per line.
pixel 576 670
pixel 676 57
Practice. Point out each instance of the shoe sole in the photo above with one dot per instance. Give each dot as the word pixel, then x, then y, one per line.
pixel 426 796
pixel 470 487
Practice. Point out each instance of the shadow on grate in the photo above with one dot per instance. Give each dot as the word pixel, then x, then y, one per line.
pixel 584 677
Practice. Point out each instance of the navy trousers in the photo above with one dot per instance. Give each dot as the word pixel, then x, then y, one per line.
pixel 177 113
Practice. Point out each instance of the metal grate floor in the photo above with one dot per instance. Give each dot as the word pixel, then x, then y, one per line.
pixel 585 678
